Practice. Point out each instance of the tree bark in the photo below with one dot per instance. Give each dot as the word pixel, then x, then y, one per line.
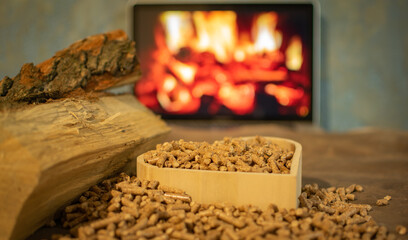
pixel 95 63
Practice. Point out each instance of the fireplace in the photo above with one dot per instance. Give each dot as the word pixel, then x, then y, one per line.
pixel 245 61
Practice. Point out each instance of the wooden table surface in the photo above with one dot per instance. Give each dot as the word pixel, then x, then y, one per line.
pixel 377 159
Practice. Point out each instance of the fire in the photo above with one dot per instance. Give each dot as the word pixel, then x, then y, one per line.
pixel 209 88
pixel 294 57
pixel 169 83
pixel 216 33
pixel 286 96
pixel 302 111
pixel 239 98
pixel 206 54
pixel 184 72
pixel 178 101
pixel 178 29
pixel 266 37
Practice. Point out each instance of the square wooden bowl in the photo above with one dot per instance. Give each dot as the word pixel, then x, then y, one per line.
pixel 238 188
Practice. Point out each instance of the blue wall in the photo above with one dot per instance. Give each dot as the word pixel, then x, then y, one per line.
pixel 364 64
pixel 364 51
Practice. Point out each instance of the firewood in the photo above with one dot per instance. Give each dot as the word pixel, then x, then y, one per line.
pixel 95 63
pixel 50 153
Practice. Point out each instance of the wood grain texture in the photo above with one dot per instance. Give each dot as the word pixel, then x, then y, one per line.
pixel 52 152
pixel 239 188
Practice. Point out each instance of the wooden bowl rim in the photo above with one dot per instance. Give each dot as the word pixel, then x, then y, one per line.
pixel 293 170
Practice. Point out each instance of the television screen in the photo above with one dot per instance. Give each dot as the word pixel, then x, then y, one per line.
pixel 246 61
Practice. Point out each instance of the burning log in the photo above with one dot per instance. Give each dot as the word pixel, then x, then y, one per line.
pixel 52 152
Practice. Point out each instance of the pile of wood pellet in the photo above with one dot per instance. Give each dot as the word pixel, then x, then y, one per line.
pixel 130 208
pixel 232 154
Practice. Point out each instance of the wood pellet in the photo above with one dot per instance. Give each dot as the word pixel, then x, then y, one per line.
pixel 232 154
pixel 127 207
pixel 384 201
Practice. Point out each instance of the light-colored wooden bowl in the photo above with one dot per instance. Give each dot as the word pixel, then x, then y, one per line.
pixel 238 188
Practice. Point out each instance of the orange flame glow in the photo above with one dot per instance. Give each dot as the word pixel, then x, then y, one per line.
pixel 294 57
pixel 178 101
pixel 169 83
pixel 216 33
pixel 204 53
pixel 184 72
pixel 266 37
pixel 286 96
pixel 178 29
pixel 238 98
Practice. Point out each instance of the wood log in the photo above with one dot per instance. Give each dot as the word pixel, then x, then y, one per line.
pixel 52 152
pixel 95 63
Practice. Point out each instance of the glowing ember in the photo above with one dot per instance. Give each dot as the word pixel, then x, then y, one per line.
pixel 209 88
pixel 286 96
pixel 303 111
pixel 178 101
pixel 238 98
pixel 206 54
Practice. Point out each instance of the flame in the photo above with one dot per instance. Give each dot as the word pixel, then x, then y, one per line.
pixel 286 96
pixel 239 55
pixel 169 83
pixel 245 47
pixel 267 38
pixel 184 72
pixel 238 98
pixel 294 57
pixel 178 29
pixel 216 33
pixel 209 88
pixel 204 53
pixel 179 101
